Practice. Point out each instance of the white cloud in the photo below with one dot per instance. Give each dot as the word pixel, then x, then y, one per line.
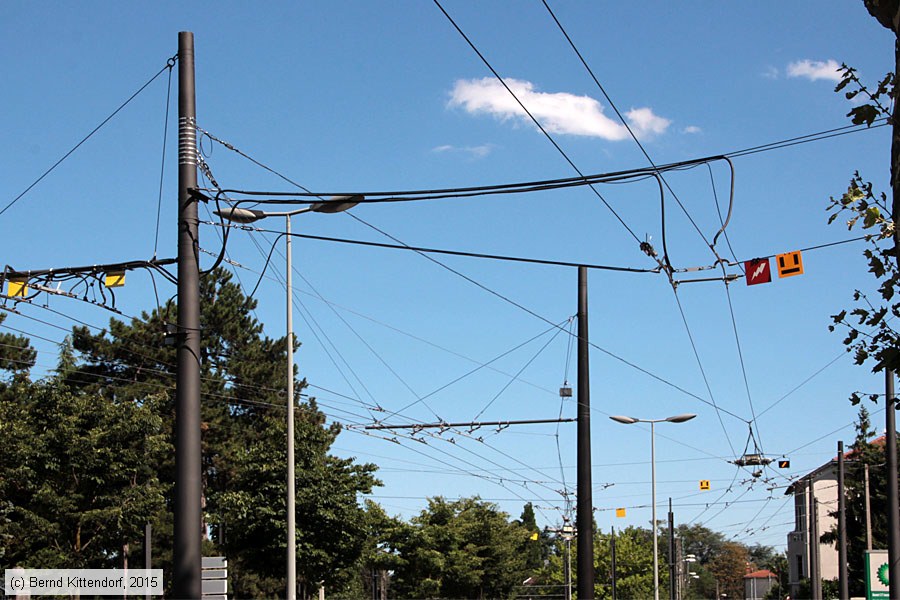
pixel 771 73
pixel 642 120
pixel 474 151
pixel 815 69
pixel 560 112
pixel 691 129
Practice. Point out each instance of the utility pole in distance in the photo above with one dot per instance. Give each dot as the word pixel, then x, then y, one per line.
pixel 842 526
pixel 890 448
pixel 584 517
pixel 187 513
pixel 672 561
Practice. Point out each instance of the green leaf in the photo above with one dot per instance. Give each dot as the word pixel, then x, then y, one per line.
pixel 865 114
pixel 873 215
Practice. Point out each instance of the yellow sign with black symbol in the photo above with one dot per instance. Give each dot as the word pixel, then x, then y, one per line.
pixel 620 512
pixel 790 264
pixel 115 279
pixel 704 484
pixel 17 289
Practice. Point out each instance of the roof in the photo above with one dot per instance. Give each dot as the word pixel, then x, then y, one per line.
pixel 761 574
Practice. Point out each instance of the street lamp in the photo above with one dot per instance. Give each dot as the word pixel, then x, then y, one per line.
pixel 334 204
pixel 631 421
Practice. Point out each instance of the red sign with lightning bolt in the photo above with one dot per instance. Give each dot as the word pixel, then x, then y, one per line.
pixel 757 271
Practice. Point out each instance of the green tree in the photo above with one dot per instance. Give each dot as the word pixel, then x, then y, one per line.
pixel 700 541
pixel 535 545
pixel 243 439
pixel 729 567
pixel 865 451
pixel 379 555
pixel 77 477
pixel 16 353
pixel 634 565
pixel 460 549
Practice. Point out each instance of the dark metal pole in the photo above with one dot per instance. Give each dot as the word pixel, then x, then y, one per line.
pixel 148 554
pixel 842 527
pixel 612 561
pixel 584 509
pixel 815 577
pixel 186 568
pixel 671 552
pixel 893 501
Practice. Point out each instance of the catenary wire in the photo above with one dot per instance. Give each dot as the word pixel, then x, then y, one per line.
pixel 532 117
pixel 626 125
pixel 168 66
pixel 162 168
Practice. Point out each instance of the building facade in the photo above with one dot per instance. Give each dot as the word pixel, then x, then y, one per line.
pixel 822 483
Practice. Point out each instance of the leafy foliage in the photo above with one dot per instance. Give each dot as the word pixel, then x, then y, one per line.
pixel 869 334
pixel 16 353
pixel 77 477
pixel 460 549
pixel 85 486
pixel 864 452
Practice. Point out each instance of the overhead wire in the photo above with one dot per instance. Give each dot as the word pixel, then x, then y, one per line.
pixel 533 118
pixel 516 376
pixel 269 257
pixel 169 64
pixel 712 399
pixel 162 168
pixel 627 126
pixel 662 181
pixel 741 419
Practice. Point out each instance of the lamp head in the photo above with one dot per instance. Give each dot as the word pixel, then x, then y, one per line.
pixel 240 215
pixel 680 418
pixel 337 204
pixel 624 419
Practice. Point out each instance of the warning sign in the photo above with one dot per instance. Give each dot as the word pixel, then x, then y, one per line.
pixel 757 271
pixel 17 288
pixel 704 484
pixel 620 512
pixel 784 463
pixel 790 264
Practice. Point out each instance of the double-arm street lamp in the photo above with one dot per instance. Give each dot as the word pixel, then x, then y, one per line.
pixel 631 421
pixel 242 215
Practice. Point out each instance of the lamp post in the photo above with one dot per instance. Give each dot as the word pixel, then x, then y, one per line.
pixel 631 421
pixel 242 215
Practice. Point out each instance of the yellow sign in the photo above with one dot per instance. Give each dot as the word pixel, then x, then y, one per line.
pixel 17 289
pixel 620 512
pixel 115 279
pixel 789 264
pixel 704 484
pixel 534 536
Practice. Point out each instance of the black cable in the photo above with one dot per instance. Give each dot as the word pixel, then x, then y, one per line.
pixel 533 186
pixel 811 137
pixel 627 127
pixel 93 131
pixel 702 370
pixel 424 250
pixel 532 117
pixel 162 168
pixel 740 351
pixel 516 376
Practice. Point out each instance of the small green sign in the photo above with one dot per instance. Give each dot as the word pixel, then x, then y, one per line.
pixel 877 581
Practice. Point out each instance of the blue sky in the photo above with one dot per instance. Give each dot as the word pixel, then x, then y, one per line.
pixel 384 96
